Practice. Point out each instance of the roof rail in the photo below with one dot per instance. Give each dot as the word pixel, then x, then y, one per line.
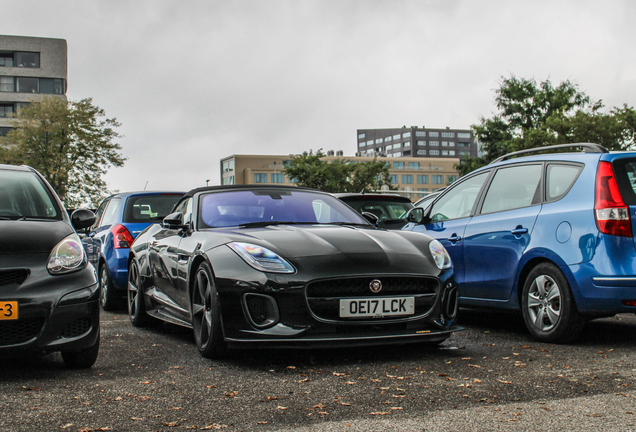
pixel 587 148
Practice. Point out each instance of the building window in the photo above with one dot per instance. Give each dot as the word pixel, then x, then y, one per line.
pixel 7 84
pixel 451 178
pixel 378 141
pixel 448 134
pixel 407 144
pixel 433 134
pixel 406 134
pixel 422 179
pixel 448 144
pixel 421 195
pixel 433 152
pixel 387 139
pixel 444 152
pixel 286 162
pixel 463 135
pixel 433 143
pixel 407 179
pixel 397 146
pixel 421 143
pixel 260 178
pixel 51 86
pixel 361 144
pixel 414 165
pixel 464 144
pixel 398 165
pixel 370 142
pixel 451 152
pixel 6 60
pixel 396 136
pixel 393 178
pixel 397 154
pixel 4 131
pixel 28 85
pixel 421 152
pixel 6 110
pixel 228 180
pixel 228 165
pixel 278 178
pixel 27 59
pixel 437 179
pixel 420 134
pixel 361 136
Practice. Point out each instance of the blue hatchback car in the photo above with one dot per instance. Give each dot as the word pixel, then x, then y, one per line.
pixel 119 219
pixel 550 234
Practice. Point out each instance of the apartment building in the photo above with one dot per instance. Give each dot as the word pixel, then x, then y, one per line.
pixel 29 67
pixel 416 142
pixel 414 177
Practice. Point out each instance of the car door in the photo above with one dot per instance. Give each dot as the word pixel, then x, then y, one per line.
pixel 449 216
pixel 89 240
pixel 498 234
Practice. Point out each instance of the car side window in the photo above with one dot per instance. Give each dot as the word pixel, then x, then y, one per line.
pixel 99 213
pixel 513 187
pixel 559 179
pixel 110 214
pixel 459 201
pixel 185 208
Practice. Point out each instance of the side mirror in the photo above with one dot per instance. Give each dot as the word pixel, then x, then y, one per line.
pixel 415 215
pixel 371 218
pixel 174 221
pixel 82 219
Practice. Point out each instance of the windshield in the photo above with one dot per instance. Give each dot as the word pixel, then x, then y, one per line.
pixel 383 208
pixel 234 208
pixel 23 195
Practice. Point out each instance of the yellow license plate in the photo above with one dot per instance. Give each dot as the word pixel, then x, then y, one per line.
pixel 8 310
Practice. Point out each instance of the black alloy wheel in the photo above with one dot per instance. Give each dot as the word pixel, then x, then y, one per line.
pixel 206 314
pixel 136 306
pixel 107 298
pixel 548 306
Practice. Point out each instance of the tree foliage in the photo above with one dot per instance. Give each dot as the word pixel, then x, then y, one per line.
pixel 339 175
pixel 536 115
pixel 70 143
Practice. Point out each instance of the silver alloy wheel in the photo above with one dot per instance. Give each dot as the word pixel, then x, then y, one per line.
pixel 544 303
pixel 104 295
pixel 133 290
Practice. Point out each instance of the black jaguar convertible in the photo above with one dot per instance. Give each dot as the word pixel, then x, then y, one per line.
pixel 276 266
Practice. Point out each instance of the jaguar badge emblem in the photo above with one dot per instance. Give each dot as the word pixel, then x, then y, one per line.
pixel 375 286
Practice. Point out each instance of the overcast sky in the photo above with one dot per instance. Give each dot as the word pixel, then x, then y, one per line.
pixel 195 81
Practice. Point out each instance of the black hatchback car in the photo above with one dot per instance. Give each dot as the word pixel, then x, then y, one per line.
pixel 48 290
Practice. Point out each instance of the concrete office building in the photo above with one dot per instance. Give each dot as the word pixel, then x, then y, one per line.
pixel 416 142
pixel 413 176
pixel 29 67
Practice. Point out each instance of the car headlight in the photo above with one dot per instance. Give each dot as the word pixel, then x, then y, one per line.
pixel 67 256
pixel 261 258
pixel 440 255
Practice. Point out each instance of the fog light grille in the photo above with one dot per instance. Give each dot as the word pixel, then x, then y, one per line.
pixel 19 331
pixel 261 309
pixel 77 328
pixel 8 277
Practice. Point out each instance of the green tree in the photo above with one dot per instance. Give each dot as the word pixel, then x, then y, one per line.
pixel 536 115
pixel 71 143
pixel 339 175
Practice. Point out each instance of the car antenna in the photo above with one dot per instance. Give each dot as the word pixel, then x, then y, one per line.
pixel 146 185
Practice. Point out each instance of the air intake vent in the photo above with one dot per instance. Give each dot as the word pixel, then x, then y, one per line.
pixel 19 331
pixel 10 277
pixel 262 310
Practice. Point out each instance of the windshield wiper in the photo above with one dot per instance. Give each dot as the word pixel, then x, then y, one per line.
pixel 268 223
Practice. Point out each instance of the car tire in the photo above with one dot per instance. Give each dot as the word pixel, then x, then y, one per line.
pixel 206 314
pixel 82 359
pixel 107 298
pixel 135 298
pixel 548 306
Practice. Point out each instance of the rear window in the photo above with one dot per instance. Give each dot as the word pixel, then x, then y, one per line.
pixel 22 194
pixel 149 208
pixel 625 172
pixel 382 208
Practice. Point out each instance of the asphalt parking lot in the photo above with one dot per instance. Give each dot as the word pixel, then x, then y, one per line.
pixel 492 376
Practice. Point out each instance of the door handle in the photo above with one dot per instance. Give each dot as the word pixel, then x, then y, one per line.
pixel 519 231
pixel 454 238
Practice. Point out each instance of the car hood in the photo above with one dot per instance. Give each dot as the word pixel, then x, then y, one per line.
pixel 349 248
pixel 29 236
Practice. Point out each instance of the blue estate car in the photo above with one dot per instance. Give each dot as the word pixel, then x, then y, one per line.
pixel 119 219
pixel 549 234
